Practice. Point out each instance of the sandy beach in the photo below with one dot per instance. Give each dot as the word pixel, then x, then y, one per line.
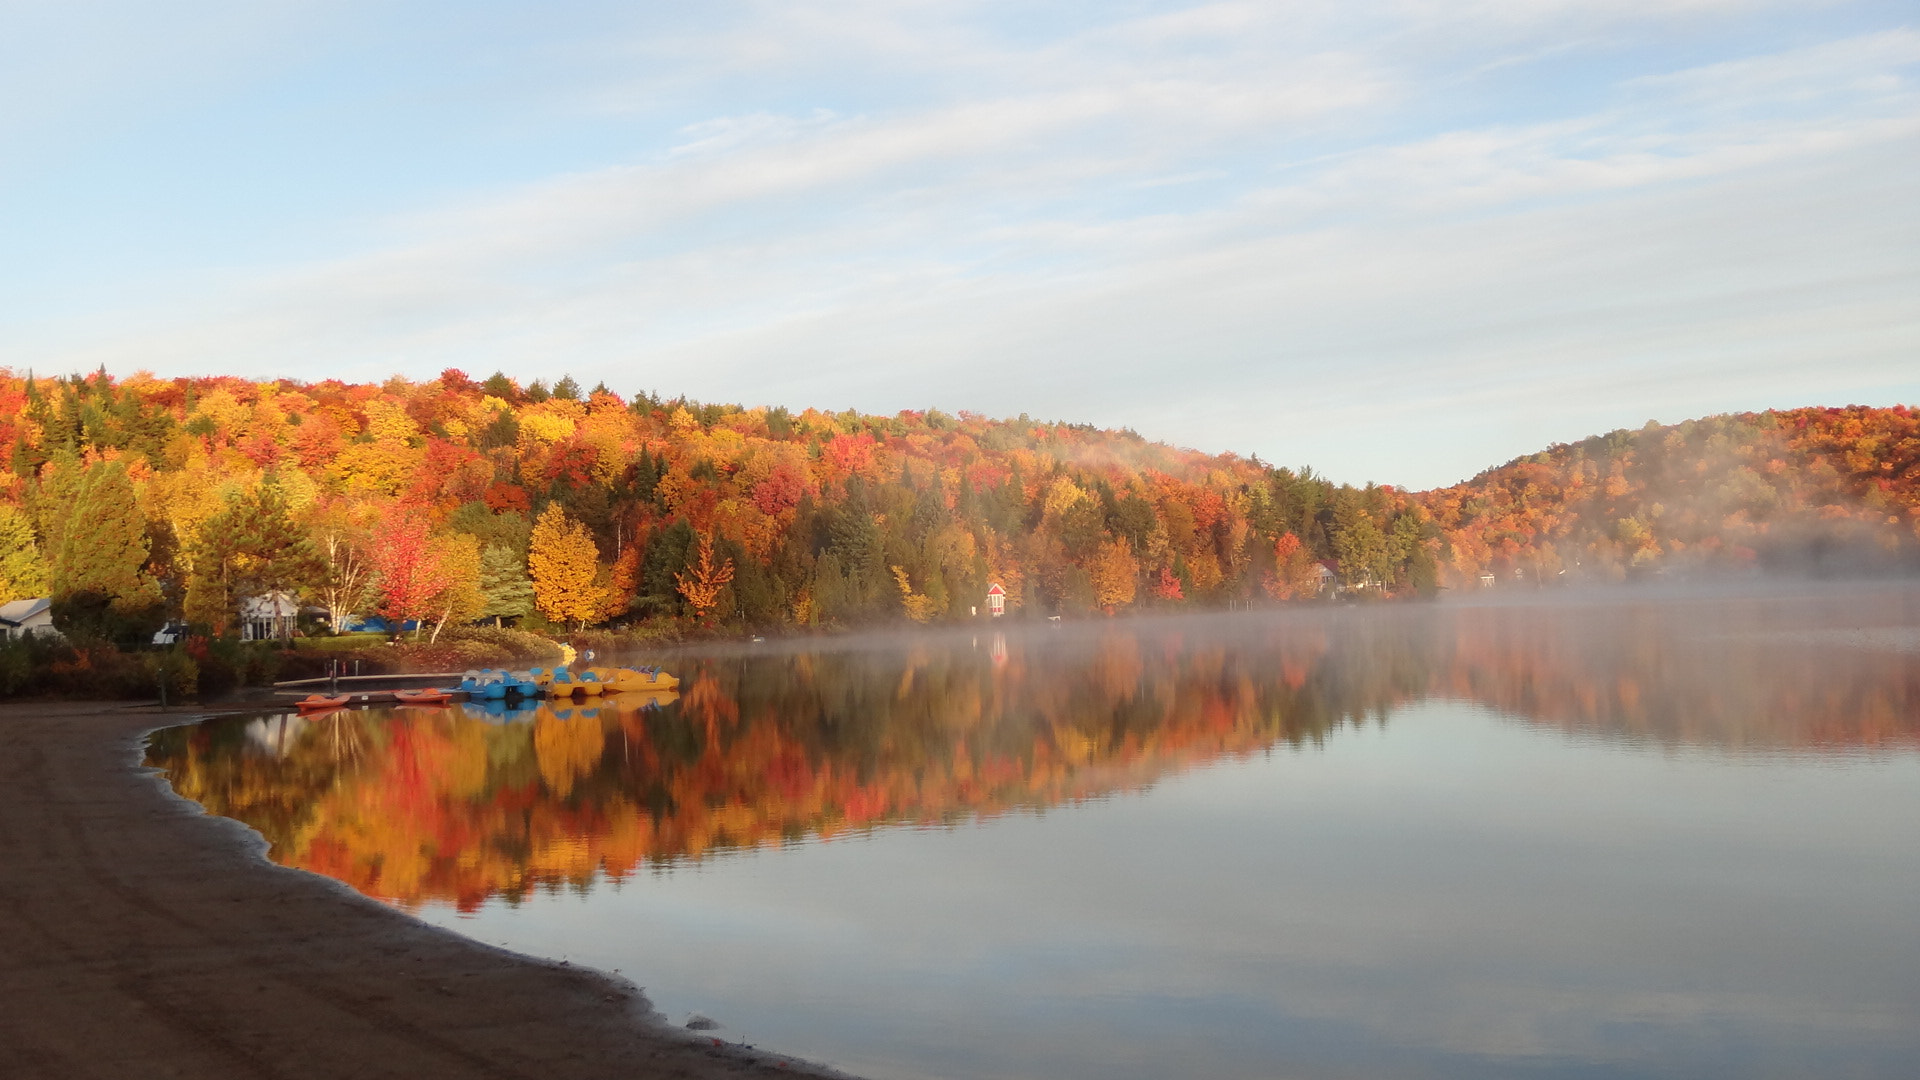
pixel 145 938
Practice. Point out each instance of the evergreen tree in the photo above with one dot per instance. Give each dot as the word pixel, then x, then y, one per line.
pixel 1358 542
pixel 666 558
pixel 211 598
pixel 504 583
pixel 99 588
pixel 251 548
pixel 278 555
pixel 498 385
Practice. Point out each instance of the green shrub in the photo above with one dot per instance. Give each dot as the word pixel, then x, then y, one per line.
pixel 175 670
pixel 503 644
pixel 647 635
pixel 217 671
pixel 16 666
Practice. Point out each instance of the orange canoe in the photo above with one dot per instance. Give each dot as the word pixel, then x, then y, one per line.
pixel 316 702
pixel 422 697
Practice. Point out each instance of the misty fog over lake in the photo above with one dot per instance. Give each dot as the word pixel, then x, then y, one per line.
pixel 1627 833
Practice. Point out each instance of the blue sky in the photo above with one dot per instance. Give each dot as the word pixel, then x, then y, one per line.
pixel 1397 241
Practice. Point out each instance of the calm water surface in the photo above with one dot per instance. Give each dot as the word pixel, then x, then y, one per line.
pixel 1613 837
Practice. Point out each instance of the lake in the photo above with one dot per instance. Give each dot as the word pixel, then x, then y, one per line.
pixel 1617 835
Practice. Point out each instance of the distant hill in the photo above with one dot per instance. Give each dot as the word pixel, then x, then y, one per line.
pixel 1799 490
pixel 137 500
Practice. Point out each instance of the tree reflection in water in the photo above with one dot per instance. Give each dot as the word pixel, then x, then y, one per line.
pixel 781 743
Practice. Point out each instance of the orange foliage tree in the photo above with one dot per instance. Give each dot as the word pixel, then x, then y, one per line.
pixel 703 579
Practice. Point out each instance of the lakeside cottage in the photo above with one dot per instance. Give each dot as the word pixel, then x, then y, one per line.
pixel 22 617
pixel 268 617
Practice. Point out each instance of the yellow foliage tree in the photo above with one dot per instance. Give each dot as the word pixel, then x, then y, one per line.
pixel 702 581
pixel 1115 573
pixel 919 607
pixel 563 562
pixel 23 570
pixel 375 468
pixel 461 601
pixel 387 421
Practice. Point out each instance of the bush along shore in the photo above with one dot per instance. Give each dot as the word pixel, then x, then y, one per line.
pixel 206 669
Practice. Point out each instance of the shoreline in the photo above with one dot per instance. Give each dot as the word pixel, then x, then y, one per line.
pixel 150 938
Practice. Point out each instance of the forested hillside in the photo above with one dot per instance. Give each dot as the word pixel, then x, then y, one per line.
pixel 1802 490
pixel 453 500
pixel 134 501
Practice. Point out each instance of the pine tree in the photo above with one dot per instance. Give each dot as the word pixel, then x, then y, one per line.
pixel 212 597
pixel 98 586
pixel 277 554
pixel 499 386
pixel 504 583
pixel 251 548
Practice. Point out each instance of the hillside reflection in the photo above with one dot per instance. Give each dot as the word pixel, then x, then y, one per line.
pixel 780 744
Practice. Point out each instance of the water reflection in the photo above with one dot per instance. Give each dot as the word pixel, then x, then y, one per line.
pixel 776 744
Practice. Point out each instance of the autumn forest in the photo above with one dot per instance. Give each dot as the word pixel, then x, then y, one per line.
pixel 134 502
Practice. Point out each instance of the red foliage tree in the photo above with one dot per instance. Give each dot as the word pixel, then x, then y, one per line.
pixel 410 575
pixel 779 492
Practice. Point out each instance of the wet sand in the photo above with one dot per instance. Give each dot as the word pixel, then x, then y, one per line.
pixel 141 937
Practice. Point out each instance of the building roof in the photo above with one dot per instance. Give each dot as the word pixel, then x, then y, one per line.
pixel 269 605
pixel 17 612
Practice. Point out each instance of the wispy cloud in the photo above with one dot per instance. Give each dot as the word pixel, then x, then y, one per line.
pixel 1289 229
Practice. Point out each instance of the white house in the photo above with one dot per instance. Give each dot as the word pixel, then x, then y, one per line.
pixel 267 616
pixel 22 617
pixel 1328 575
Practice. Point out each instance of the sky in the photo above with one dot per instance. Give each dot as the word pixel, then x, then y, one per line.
pixel 1397 242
